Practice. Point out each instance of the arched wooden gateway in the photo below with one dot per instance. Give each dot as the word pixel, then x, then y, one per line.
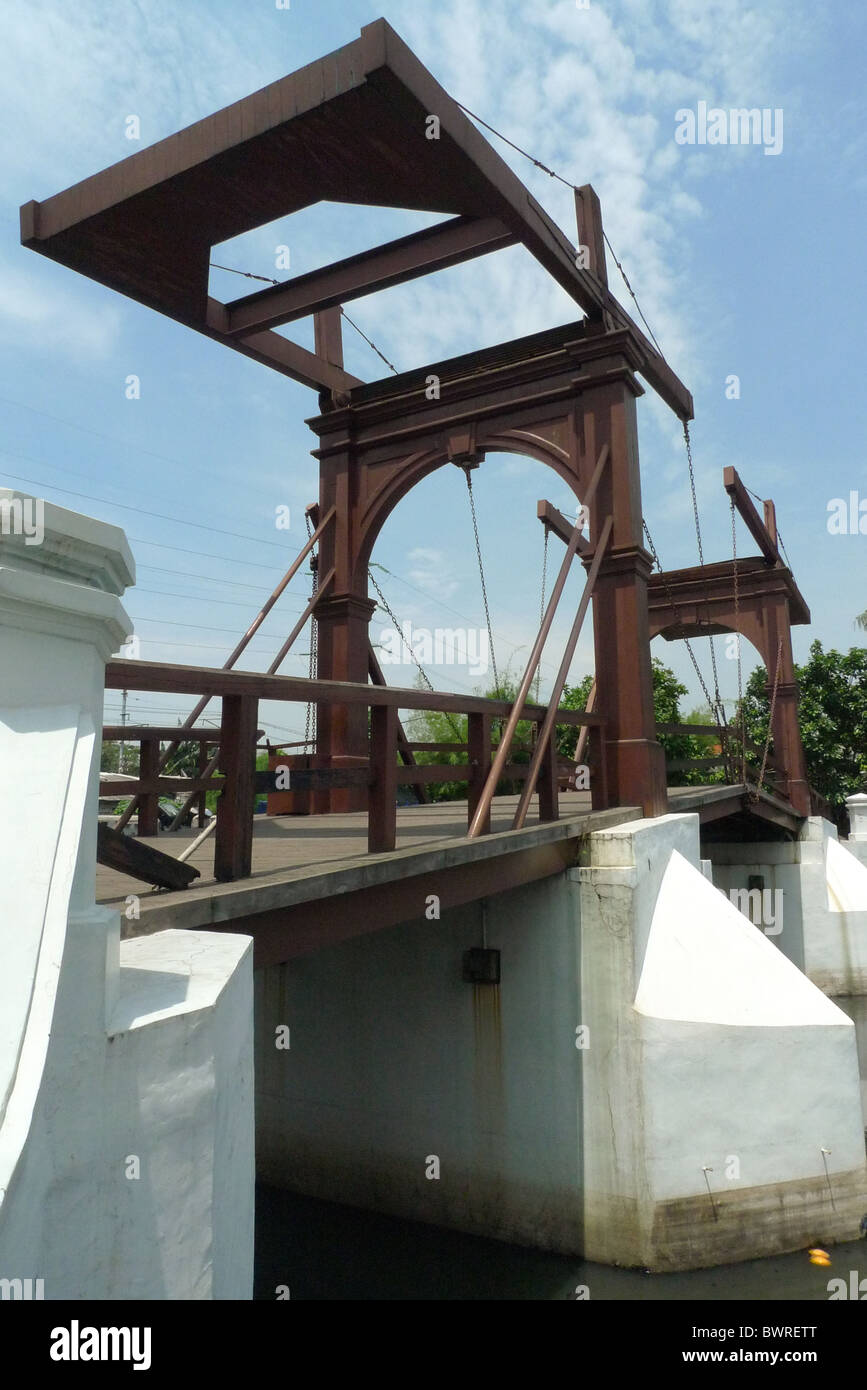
pixel 368 124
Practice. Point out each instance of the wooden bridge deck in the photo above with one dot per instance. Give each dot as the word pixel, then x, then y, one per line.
pixel 305 868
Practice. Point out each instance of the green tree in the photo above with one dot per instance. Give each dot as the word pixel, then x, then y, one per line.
pixel 667 693
pixel 432 726
pixel 832 715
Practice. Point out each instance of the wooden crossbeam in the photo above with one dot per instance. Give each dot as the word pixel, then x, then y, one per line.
pixel 421 253
pixel 273 350
pixel 554 520
pixel 129 856
pixel 756 526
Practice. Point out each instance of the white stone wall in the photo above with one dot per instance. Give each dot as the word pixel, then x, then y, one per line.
pixel 393 1060
pixel 713 1052
pixel 126 1105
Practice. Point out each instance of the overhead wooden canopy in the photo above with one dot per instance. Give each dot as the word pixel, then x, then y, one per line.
pixel 348 128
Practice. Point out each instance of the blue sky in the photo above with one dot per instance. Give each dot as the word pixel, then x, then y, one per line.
pixel 744 264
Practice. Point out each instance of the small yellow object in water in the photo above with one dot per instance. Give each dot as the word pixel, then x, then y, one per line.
pixel 819 1257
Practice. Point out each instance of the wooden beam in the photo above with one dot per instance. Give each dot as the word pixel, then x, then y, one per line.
pixel 554 520
pixel 121 674
pixel 421 253
pixel 588 217
pixel 382 803
pixel 129 856
pixel 273 350
pixel 328 336
pixel 233 851
pixel 754 523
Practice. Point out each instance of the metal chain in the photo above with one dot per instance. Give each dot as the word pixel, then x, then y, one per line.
pixel 383 603
pixel 677 613
pixel 755 795
pixel 741 710
pixel 717 703
pixel 467 470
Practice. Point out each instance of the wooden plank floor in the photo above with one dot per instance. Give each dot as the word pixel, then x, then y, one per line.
pixel 290 845
pixel 291 842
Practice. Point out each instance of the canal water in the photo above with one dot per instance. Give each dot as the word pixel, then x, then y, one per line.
pixel 320 1250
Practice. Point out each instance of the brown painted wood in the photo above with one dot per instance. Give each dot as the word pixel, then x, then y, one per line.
pixel 233 849
pixel 393 263
pixel 296 931
pixel 145 226
pixel 328 337
pixel 382 812
pixel 754 523
pixel 405 749
pixel 129 856
pixel 479 752
pixel 121 674
pixel 149 758
pixel 113 733
pixel 548 781
pixel 588 217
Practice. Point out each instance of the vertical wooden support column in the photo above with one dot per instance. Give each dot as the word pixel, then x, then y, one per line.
pixel 479 758
pixel 382 803
pixel 201 799
pixel 233 851
pixel 148 769
pixel 598 768
pixel 547 785
pixel 635 762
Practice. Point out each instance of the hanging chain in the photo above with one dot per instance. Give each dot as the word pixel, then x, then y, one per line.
pixel 755 795
pixel 467 471
pixel 677 613
pixel 717 703
pixel 383 603
pixel 742 714
pixel 310 722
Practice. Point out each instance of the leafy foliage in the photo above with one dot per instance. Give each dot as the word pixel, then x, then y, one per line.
pixel 832 716
pixel 667 693
pixel 431 726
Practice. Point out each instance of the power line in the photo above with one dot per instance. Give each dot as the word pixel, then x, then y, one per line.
pixel 210 578
pixel 111 439
pixel 207 554
pixel 125 507
pixel 205 598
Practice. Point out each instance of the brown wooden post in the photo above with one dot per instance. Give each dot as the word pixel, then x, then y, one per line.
pixel 598 770
pixel 202 798
pixel 547 785
pixel 635 762
pixel 588 215
pixel 479 758
pixel 233 851
pixel 148 771
pixel 382 800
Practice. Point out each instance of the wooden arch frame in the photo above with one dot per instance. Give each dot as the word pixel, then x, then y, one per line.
pixel 558 396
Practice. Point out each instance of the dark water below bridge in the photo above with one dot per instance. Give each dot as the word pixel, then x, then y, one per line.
pixel 321 1250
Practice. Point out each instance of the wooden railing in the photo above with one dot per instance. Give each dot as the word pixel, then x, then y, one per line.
pixel 718 759
pixel 380 773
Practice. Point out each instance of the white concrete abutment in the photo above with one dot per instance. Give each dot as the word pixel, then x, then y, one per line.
pixel 126 1086
pixel 652 1083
